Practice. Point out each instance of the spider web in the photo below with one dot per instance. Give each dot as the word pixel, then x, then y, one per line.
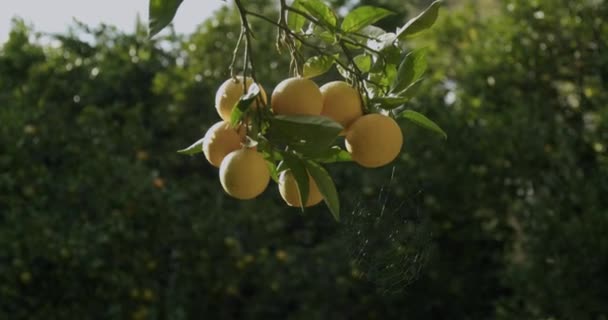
pixel 388 238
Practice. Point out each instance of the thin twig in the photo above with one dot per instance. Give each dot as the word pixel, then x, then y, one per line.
pixel 235 53
pixel 248 35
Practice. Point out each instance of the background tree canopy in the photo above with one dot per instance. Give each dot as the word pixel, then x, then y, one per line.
pixel 100 218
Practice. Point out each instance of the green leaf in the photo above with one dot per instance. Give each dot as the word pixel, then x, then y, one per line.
pixel 421 22
pixel 326 187
pixel 160 14
pixel 392 54
pixel 372 32
pixel 385 76
pixel 195 148
pixel 319 10
pixel 411 90
pixel 343 72
pixel 363 62
pixel 389 102
pixel 326 37
pixel 317 65
pixel 333 154
pixel 382 41
pixel 241 107
pixel 295 130
pixel 300 174
pixel 296 21
pixel 410 69
pixel 362 17
pixel 281 166
pixel 422 121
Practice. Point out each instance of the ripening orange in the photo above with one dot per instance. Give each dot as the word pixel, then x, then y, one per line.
pixel 288 188
pixel 341 102
pixel 219 141
pixel 230 92
pixel 297 96
pixel 374 140
pixel 244 174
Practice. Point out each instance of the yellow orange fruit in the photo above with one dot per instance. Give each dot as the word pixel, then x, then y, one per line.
pixel 219 141
pixel 297 96
pixel 341 102
pixel 288 188
pixel 244 174
pixel 229 94
pixel 374 140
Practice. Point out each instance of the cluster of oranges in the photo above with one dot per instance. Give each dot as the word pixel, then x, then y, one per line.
pixel 373 140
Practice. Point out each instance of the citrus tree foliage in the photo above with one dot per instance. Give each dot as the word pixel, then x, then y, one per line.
pixel 376 62
pixel 99 218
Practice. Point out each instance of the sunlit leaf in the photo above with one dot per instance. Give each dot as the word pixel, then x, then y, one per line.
pixel 382 42
pixel 319 10
pixel 363 62
pixel 371 32
pixel 195 148
pixel 422 121
pixel 343 72
pixel 317 65
pixel 410 69
pixel 160 14
pixel 296 21
pixel 326 186
pixel 362 17
pixel 421 22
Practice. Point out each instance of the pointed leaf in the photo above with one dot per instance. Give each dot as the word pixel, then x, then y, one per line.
pixel 195 148
pixel 362 17
pixel 411 90
pixel 422 121
pixel 410 69
pixel 281 166
pixel 160 14
pixel 241 107
pixel 421 22
pixel 297 168
pixel 326 187
pixel 319 10
pixel 317 65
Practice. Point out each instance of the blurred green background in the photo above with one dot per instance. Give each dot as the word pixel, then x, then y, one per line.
pixel 100 218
